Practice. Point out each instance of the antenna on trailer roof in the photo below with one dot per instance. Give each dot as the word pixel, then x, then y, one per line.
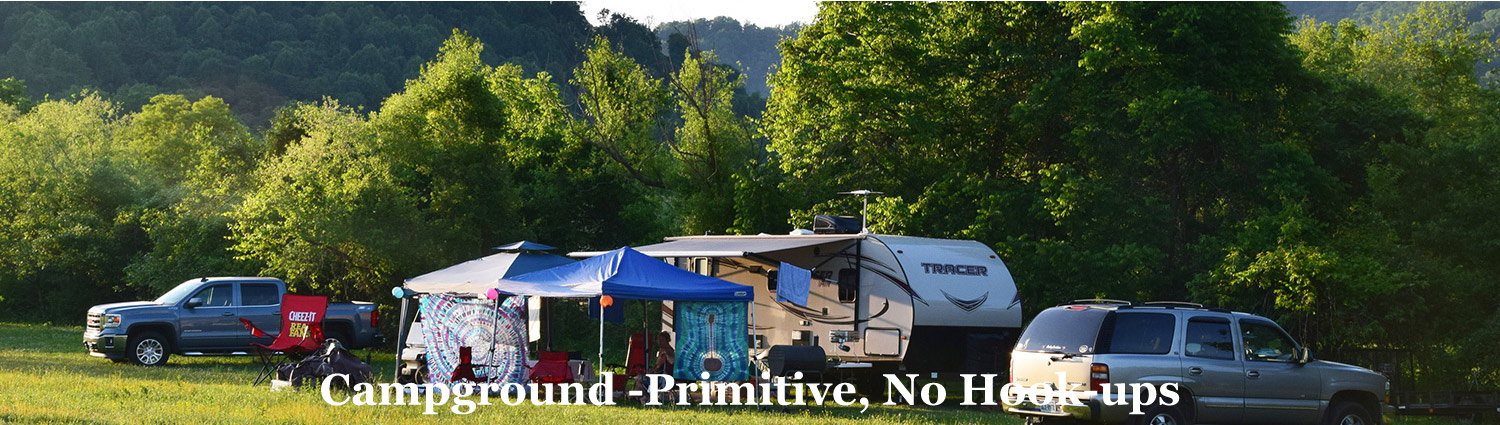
pixel 864 212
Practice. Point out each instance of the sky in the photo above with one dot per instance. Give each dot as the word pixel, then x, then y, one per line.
pixel 759 12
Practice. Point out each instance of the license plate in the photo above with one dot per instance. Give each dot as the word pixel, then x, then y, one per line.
pixel 1048 407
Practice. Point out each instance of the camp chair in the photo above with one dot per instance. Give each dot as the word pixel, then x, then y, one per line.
pixel 552 368
pixel 301 333
pixel 464 371
pixel 635 360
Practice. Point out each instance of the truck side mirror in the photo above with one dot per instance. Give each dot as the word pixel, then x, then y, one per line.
pixel 1303 355
pixel 193 302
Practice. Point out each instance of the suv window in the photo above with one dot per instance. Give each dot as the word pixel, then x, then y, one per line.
pixel 1138 333
pixel 258 294
pixel 1209 338
pixel 1265 342
pixel 1070 330
pixel 216 296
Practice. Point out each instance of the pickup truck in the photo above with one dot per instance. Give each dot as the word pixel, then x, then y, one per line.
pixel 201 317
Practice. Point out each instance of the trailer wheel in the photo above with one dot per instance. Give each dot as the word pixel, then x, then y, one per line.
pixel 1350 413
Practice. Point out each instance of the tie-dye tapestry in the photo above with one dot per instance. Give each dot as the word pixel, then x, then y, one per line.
pixel 449 323
pixel 711 336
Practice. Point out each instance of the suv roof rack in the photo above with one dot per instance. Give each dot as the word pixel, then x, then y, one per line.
pixel 1099 301
pixel 1174 304
pixel 1180 304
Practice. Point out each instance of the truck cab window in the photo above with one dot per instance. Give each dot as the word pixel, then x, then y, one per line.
pixel 258 294
pixel 216 296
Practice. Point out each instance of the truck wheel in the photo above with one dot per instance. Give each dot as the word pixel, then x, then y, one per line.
pixel 1164 415
pixel 1350 413
pixel 148 349
pixel 343 338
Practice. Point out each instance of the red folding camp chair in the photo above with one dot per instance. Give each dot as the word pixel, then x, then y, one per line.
pixel 301 333
pixel 464 371
pixel 635 361
pixel 552 368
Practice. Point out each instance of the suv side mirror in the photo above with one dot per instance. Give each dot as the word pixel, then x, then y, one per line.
pixel 1304 355
pixel 193 302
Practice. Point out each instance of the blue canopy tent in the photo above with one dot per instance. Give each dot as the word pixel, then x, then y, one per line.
pixel 624 273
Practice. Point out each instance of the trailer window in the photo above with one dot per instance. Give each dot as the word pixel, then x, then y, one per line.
pixel 848 285
pixel 1066 330
pixel 771 280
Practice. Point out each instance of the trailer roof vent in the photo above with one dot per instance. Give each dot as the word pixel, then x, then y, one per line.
pixel 836 225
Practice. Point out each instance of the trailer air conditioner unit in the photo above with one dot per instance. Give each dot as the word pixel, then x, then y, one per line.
pixel 835 225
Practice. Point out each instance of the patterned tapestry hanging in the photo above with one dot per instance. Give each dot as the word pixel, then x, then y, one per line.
pixel 711 337
pixel 450 323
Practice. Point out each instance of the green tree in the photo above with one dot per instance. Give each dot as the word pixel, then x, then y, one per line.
pixel 445 135
pixel 63 196
pixel 329 215
pixel 194 162
pixel 13 93
pixel 711 145
pixel 619 105
pixel 1421 234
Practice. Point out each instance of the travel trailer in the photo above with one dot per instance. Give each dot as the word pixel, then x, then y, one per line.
pixel 882 302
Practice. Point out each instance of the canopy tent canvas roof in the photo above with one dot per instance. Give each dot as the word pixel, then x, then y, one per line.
pixel 525 245
pixel 625 273
pixel 475 277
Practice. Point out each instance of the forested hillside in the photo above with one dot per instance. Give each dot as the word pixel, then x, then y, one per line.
pixel 750 47
pixel 258 56
pixel 1483 18
pixel 1340 177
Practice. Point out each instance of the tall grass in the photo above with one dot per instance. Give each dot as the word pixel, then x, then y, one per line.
pixel 46 377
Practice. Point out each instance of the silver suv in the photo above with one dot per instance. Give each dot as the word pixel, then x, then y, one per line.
pixel 1228 367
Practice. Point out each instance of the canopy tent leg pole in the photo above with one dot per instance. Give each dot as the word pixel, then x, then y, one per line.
pixel 494 331
pixel 756 342
pixel 600 373
pixel 646 330
pixel 401 337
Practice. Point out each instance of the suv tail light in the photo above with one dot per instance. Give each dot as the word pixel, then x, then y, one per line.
pixel 1098 376
pixel 375 318
pixel 1010 373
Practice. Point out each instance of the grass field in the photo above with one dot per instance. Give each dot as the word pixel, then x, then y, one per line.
pixel 45 377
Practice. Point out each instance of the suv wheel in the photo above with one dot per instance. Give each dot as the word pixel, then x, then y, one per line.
pixel 1348 413
pixel 1163 415
pixel 148 349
